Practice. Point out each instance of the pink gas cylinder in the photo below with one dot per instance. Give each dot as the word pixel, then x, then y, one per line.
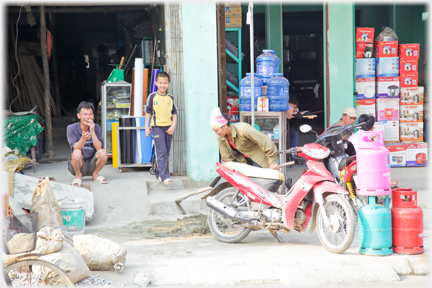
pixel 407 222
pixel 373 165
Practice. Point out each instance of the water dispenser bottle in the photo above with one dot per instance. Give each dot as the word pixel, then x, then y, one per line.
pixel 267 65
pixel 278 92
pixel 245 92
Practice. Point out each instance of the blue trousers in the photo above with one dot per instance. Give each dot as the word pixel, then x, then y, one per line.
pixel 294 137
pixel 162 142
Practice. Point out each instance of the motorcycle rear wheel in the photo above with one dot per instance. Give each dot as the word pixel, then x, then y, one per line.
pixel 338 237
pixel 223 228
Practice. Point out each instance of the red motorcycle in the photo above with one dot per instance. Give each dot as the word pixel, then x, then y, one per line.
pixel 250 198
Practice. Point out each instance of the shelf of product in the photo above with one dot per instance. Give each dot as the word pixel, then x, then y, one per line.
pixel 116 101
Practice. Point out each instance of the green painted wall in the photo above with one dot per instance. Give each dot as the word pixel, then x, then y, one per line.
pixel 340 53
pixel 274 31
pixel 200 89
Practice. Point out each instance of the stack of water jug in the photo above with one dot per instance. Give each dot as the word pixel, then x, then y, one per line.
pixel 267 76
pixel 374 180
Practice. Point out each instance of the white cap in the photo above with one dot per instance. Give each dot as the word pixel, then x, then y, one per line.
pixel 350 111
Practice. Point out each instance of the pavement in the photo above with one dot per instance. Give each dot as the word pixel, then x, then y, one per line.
pixel 133 203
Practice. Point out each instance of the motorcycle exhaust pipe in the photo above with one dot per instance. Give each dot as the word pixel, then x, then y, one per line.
pixel 227 210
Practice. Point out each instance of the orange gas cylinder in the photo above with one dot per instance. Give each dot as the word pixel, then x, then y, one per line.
pixel 407 222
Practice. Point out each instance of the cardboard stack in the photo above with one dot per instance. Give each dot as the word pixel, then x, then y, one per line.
pixel 233 15
pixel 387 88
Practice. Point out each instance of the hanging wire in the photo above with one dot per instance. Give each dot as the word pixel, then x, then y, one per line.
pixel 16 58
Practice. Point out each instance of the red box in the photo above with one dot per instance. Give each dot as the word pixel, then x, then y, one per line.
pixel 409 79
pixel 409 50
pixel 408 65
pixel 364 34
pixel 386 49
pixel 361 47
pixel 233 108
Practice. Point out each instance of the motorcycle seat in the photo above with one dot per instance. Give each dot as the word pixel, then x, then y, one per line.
pixel 255 172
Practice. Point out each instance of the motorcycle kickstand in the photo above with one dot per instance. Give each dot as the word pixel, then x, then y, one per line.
pixel 278 238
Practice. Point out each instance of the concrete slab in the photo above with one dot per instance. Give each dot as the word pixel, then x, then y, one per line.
pixel 24 187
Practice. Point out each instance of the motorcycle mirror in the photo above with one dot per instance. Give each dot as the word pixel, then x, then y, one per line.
pixel 305 128
pixel 368 120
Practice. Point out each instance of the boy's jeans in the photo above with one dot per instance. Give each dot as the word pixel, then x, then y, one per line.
pixel 162 142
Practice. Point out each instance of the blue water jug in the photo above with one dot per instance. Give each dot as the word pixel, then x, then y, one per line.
pixel 267 65
pixel 278 92
pixel 375 228
pixel 245 92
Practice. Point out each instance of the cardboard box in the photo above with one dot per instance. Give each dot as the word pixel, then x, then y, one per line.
pixel 411 113
pixel 233 108
pixel 387 109
pixel 365 68
pixel 233 22
pixel 387 87
pixel 233 11
pixel 387 67
pixel 407 65
pixel 386 49
pixel 391 130
pixel 411 131
pixel 232 4
pixel 365 88
pixel 365 106
pixel 409 79
pixel 409 50
pixel 364 34
pixel 398 154
pixel 417 154
pixel 364 50
pixel 412 96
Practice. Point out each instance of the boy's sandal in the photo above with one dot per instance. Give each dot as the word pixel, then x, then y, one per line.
pixel 77 182
pixel 167 181
pixel 101 180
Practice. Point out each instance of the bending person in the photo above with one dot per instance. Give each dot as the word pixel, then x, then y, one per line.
pixel 240 142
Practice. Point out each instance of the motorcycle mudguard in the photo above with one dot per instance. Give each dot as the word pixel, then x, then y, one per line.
pixel 221 184
pixel 319 190
pixel 326 187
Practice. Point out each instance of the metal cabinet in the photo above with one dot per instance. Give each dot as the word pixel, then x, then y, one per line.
pixel 116 102
pixel 268 121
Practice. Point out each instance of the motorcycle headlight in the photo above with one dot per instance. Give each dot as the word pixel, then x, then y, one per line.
pixel 320 153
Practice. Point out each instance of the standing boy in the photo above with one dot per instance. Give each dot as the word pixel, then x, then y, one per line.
pixel 161 108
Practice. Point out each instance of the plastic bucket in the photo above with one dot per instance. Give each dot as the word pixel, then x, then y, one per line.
pixel 73 213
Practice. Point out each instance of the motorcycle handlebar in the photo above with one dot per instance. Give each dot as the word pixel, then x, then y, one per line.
pixel 289 151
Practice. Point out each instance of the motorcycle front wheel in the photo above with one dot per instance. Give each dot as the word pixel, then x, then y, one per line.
pixel 223 228
pixel 336 238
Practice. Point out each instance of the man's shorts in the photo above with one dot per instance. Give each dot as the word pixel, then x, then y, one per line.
pixel 88 167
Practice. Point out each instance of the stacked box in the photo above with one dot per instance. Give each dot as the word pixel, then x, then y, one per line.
pixel 364 42
pixel 387 109
pixel 365 68
pixel 412 96
pixel 386 49
pixel 408 65
pixel 417 154
pixel 411 132
pixel 387 67
pixel 411 113
pixel 365 106
pixel 398 154
pixel 365 88
pixel 233 15
pixel 391 131
pixel 409 50
pixel 387 87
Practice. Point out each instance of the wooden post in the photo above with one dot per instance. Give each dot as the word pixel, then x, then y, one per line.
pixel 220 15
pixel 44 50
pixel 55 68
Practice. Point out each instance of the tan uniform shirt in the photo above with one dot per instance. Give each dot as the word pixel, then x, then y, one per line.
pixel 258 146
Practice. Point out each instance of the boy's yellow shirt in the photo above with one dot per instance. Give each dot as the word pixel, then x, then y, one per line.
pixel 161 107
